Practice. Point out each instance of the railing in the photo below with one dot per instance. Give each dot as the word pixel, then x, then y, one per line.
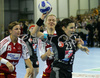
pixel 83 11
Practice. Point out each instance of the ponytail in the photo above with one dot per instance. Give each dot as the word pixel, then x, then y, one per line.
pixel 58 29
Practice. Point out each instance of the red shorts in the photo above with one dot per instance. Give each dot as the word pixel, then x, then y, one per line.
pixel 7 75
pixel 46 75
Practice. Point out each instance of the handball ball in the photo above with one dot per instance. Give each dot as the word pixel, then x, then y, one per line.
pixel 44 6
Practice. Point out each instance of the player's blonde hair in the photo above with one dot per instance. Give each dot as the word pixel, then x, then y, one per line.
pixel 50 15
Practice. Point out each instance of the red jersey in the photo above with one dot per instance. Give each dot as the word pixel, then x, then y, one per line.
pixel 43 47
pixel 12 52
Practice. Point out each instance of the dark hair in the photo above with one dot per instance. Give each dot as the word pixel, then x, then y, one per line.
pixel 12 24
pixel 65 22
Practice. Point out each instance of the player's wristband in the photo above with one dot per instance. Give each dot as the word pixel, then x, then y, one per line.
pixel 4 61
pixel 45 36
pixel 40 22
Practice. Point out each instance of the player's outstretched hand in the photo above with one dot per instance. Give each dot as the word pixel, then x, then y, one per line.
pixel 45 15
pixel 10 66
pixel 85 49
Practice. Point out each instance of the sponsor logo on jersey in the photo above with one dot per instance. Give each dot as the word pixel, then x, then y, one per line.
pixel 13 56
pixel 14 63
pixel 68 54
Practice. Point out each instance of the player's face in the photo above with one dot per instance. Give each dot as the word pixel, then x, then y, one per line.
pixel 15 32
pixel 70 29
pixel 50 22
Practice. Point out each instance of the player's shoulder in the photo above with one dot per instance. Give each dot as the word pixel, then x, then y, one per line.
pixel 5 40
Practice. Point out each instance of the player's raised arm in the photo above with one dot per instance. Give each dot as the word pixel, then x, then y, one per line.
pixel 38 24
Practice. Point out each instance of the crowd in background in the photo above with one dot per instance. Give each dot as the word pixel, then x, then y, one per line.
pixel 87 25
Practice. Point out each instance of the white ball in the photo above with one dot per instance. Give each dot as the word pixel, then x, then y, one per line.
pixel 44 6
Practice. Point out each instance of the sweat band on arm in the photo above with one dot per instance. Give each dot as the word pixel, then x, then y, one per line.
pixel 4 61
pixel 40 22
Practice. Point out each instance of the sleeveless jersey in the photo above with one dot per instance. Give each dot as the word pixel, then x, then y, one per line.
pixel 31 43
pixel 64 48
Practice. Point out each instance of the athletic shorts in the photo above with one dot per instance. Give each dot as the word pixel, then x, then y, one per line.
pixel 35 63
pixel 60 73
pixel 7 75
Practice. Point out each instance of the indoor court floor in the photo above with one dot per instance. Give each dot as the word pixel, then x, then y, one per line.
pixel 85 66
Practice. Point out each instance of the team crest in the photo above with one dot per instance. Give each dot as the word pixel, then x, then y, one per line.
pixel 30 40
pixel 60 44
